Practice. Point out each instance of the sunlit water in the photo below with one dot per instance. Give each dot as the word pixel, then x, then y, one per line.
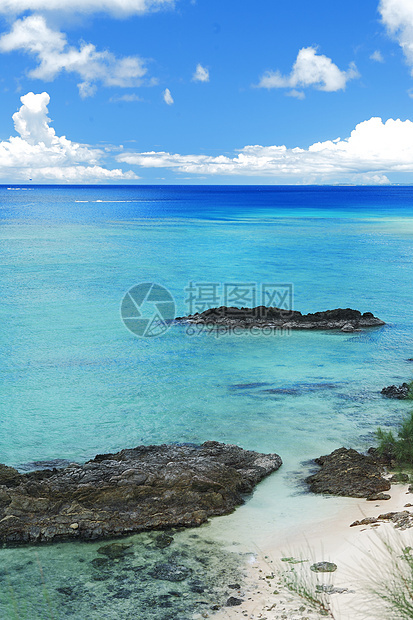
pixel 75 382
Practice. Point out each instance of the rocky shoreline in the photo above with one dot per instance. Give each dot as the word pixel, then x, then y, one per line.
pixel 159 487
pixel 346 320
pixel 345 472
pixel 145 488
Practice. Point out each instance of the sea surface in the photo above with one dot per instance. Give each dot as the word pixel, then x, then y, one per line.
pixel 76 382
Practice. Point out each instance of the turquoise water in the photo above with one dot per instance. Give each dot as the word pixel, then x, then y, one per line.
pixel 76 382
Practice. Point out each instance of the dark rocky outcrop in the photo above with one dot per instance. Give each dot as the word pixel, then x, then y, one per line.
pixel 378 497
pixel 148 487
pixel 384 459
pixel 234 602
pixel 263 317
pixel 401 392
pixel 402 520
pixel 9 477
pixel 348 473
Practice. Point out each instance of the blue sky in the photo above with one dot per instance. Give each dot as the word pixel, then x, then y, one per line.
pixel 206 91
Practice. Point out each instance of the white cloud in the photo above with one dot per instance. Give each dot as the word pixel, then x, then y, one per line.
pixel 115 7
pixel 373 179
pixel 167 97
pixel 38 153
pixel 377 56
pixel 310 69
pixel 126 99
pixel 373 150
pixel 397 16
pixel 54 55
pixel 298 94
pixel 201 74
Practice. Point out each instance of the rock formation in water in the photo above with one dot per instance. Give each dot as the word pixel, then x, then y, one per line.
pixel 348 473
pixel 401 392
pixel 262 317
pixel 148 487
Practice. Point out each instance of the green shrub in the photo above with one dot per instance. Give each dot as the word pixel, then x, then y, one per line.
pixel 398 447
pixel 410 391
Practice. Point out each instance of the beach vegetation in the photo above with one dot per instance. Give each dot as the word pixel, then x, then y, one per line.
pixel 398 446
pixel 386 582
pixel 410 391
pixel 409 395
pixel 392 586
pixel 303 584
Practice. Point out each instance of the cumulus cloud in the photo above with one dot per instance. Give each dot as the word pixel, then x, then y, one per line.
pixel 310 69
pixel 397 16
pixel 39 154
pixel 115 7
pixel 201 74
pixel 54 55
pixel 167 97
pixel 373 150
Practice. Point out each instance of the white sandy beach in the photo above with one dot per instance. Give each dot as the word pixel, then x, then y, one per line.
pixel 357 552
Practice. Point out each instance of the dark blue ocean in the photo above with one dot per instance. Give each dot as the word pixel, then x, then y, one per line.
pixel 76 382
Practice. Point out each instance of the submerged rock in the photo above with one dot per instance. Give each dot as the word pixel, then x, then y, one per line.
pixel 163 540
pixel 144 488
pixel 171 572
pixel 263 317
pixel 115 551
pixel 348 473
pixel 197 587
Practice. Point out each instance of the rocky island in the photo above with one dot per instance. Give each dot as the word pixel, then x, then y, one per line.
pixel 144 488
pixel 268 317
